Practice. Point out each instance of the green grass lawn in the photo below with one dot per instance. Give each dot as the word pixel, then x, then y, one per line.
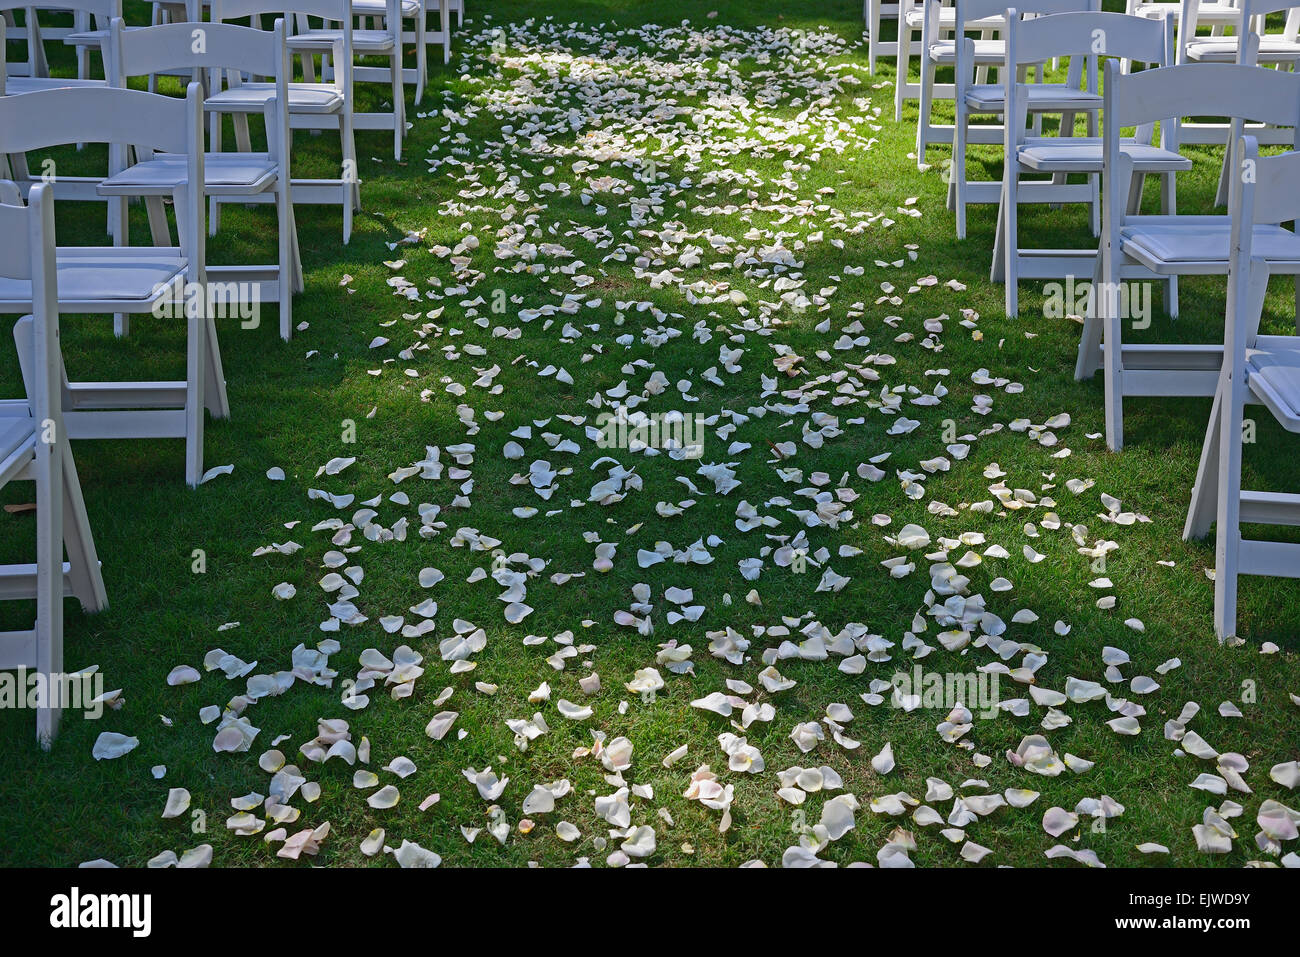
pixel 734 130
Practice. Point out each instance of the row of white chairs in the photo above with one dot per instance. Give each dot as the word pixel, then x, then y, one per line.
pixel 161 149
pixel 1218 77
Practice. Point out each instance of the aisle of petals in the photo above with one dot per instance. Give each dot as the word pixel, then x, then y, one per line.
pixel 644 214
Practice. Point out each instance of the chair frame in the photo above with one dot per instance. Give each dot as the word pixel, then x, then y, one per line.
pixel 149 51
pixel 151 123
pixel 1147 41
pixel 346 189
pixel 1081 79
pixel 1267 197
pixel 1165 96
pixel 43 457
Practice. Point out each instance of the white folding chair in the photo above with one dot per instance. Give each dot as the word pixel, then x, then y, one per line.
pixel 937 50
pixel 377 42
pixel 1275 49
pixel 244 177
pixel 1256 369
pixel 1078 94
pixel 33 33
pixel 1128 38
pixel 313 104
pixel 37 73
pixel 1215 15
pixel 131 279
pixel 36 77
pixel 407 11
pixel 1163 247
pixel 1278 50
pixel 35 446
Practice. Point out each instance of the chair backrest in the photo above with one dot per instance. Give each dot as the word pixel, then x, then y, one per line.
pixel 1092 35
pixel 1198 89
pixel 1148 40
pixel 969 12
pixel 212 47
pixel 142 51
pixel 295 14
pixel 1262 191
pixel 98 11
pixel 27 253
pixel 335 10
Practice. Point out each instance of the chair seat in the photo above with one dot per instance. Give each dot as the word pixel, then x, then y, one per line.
pixel 252 97
pixel 15 85
pixel 231 173
pixel 16 433
pixel 377 8
pixel 987 52
pixel 1272 49
pixel 947 19
pixel 1273 374
pixel 1043 98
pixel 363 41
pixel 1206 13
pixel 1083 154
pixel 1204 239
pixel 94 274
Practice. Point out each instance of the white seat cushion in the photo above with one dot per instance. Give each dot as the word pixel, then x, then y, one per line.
pixel 947 19
pixel 986 52
pixel 1272 49
pixel 222 173
pixel 1082 154
pixel 96 273
pixel 1043 97
pixel 252 97
pixel 1205 239
pixel 363 41
pixel 377 8
pixel 15 85
pixel 16 433
pixel 1206 13
pixel 1273 374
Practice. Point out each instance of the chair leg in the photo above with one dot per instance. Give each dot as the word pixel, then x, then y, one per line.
pixel 351 188
pixel 1094 203
pixel 399 103
pixel 1112 362
pixel 957 182
pixel 904 61
pixel 83 560
pixel 1205 493
pixel 1011 247
pixel 444 11
pixel 48 472
pixel 121 226
pixel 1086 365
pixel 1221 193
pixel 299 282
pixel 1227 545
pixel 287 271
pixel 215 398
pixel 421 59
pixel 196 367
pixel 873 25
pixel 214 208
pixel 923 112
